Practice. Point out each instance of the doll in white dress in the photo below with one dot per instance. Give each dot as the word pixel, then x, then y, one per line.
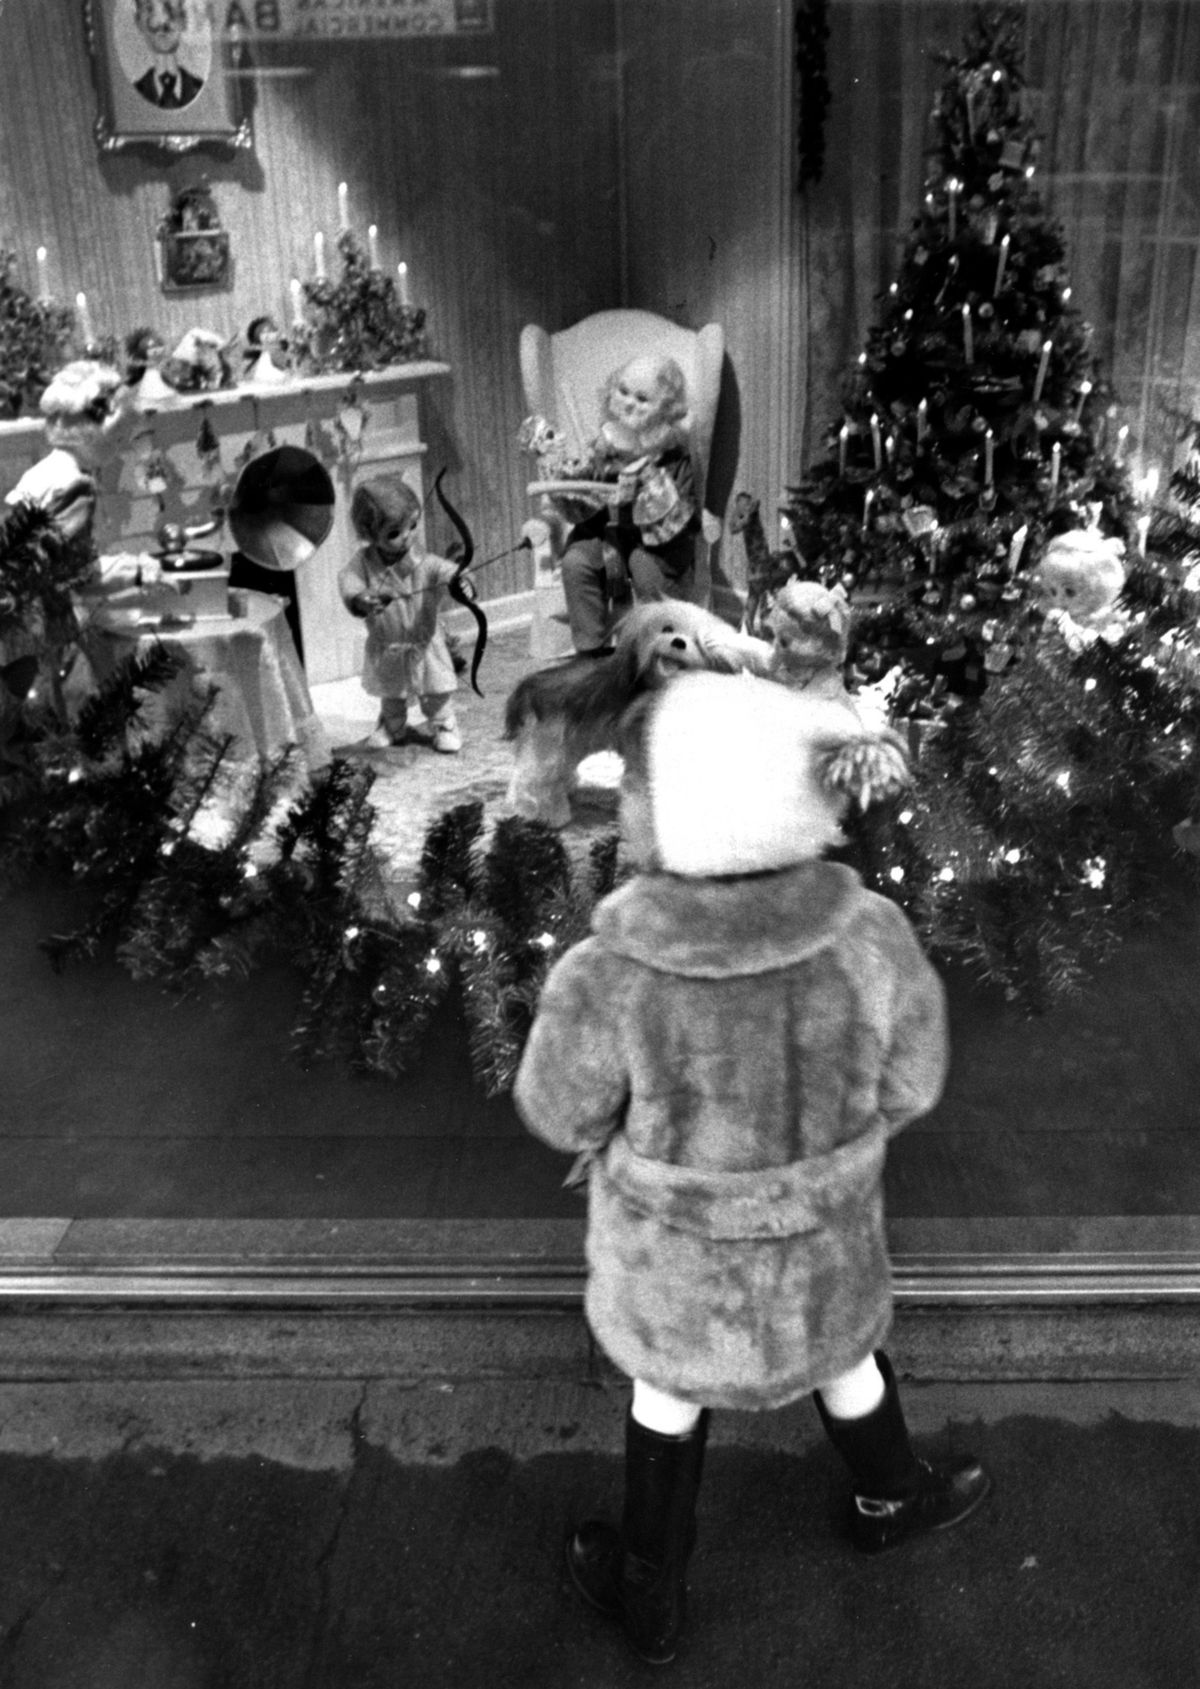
pixel 400 590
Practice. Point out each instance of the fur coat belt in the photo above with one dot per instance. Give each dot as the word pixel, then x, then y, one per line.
pixel 806 1196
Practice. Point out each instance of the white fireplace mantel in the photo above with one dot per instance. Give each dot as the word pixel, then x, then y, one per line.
pixel 298 411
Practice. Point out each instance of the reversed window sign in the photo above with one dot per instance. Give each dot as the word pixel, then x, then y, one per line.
pixel 348 20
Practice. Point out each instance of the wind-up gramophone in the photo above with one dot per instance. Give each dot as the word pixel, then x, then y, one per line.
pixel 280 512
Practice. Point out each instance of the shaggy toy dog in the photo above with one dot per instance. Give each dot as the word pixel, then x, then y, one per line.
pixel 559 715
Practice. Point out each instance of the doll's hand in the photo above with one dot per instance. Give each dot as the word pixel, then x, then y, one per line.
pixel 362 604
pixel 628 477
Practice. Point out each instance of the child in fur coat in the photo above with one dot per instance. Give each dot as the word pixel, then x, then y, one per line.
pixel 729 1053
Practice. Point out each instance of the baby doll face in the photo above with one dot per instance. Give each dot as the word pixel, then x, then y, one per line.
pixel 395 537
pixel 638 394
pixel 1082 581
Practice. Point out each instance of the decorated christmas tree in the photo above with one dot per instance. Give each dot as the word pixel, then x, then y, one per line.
pixel 977 447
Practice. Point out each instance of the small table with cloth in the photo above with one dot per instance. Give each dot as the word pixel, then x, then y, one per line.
pixel 262 698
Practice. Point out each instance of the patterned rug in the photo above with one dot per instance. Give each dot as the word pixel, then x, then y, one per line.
pixel 414 784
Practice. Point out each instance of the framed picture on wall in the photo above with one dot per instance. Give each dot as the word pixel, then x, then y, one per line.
pixel 162 76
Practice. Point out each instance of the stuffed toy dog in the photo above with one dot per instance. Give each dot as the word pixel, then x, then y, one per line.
pixel 559 715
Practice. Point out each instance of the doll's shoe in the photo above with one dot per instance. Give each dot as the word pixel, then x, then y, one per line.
pixel 447 739
pixel 379 739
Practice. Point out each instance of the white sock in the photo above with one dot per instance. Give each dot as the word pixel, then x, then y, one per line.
pixel 662 1413
pixel 856 1393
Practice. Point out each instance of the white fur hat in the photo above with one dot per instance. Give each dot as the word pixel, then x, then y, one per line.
pixel 743 774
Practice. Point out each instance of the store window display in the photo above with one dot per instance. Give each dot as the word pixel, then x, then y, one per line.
pixel 934 360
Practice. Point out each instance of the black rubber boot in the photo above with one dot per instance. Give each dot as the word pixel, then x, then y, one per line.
pixel 897 1495
pixel 638 1573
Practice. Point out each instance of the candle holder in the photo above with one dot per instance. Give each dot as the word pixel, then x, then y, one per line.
pixel 359 322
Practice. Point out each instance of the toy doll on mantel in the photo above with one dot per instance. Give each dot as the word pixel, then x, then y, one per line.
pixel 630 500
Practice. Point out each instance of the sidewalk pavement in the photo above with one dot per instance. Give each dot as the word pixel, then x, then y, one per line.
pixel 287 1534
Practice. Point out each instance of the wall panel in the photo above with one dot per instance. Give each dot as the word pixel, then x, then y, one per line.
pixel 497 189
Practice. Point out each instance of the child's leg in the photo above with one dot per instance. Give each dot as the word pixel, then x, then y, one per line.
pixel 443 724
pixel 662 1413
pixel 856 1392
pixel 588 595
pixel 669 571
pixel 393 718
pixel 896 1494
pixel 638 1573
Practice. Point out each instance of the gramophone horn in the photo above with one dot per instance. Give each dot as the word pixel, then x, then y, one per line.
pixel 282 508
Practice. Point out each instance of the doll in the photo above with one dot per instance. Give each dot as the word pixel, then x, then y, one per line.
pixel 727 1055
pixel 634 527
pixel 810 627
pixel 86 408
pixel 400 590
pixel 1078 582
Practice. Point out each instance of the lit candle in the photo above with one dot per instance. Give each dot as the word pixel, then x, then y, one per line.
pixel 402 272
pixel 319 255
pixel 1016 547
pixel 922 419
pixel 1001 261
pixel 876 440
pixel 889 446
pixel 1150 485
pixel 1055 469
pixel 1043 366
pixel 952 204
pixel 43 273
pixel 1122 437
pixel 929 204
pixel 843 445
pixel 968 335
pixel 343 206
pixel 868 501
pixel 85 319
pixel 297 294
pixel 373 246
pixel 1085 388
pixel 1143 533
pixel 989 446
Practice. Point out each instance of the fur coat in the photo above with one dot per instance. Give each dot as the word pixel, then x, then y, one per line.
pixel 732 1056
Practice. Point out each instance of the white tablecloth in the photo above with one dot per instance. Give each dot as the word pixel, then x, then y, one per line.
pixel 263 697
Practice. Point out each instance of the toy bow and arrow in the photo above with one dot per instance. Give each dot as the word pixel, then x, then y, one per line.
pixel 460 588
